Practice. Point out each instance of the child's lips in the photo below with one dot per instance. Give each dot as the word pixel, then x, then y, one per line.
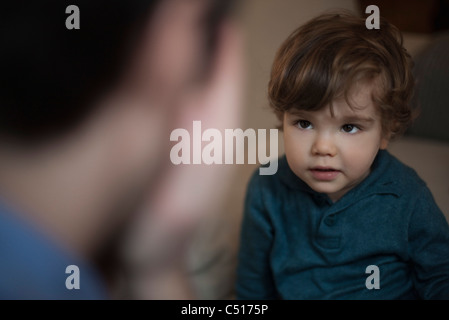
pixel 324 173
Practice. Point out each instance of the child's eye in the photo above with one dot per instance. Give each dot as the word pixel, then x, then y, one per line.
pixel 304 124
pixel 350 128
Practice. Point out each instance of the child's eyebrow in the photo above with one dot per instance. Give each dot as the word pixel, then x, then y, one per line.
pixel 299 113
pixel 358 119
pixel 347 119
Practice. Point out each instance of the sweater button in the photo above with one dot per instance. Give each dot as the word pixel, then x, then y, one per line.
pixel 330 220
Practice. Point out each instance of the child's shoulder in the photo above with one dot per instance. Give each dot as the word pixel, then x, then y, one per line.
pixel 405 178
pixel 260 177
pixel 270 189
pixel 278 181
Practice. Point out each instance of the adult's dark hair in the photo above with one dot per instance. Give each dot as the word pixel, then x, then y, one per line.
pixel 50 77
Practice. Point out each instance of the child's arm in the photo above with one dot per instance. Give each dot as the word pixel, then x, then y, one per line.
pixel 254 276
pixel 429 248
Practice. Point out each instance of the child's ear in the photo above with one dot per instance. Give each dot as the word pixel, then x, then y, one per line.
pixel 384 143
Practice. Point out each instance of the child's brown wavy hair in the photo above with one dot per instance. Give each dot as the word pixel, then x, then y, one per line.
pixel 324 58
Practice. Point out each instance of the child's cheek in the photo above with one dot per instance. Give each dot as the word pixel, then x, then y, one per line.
pixel 359 157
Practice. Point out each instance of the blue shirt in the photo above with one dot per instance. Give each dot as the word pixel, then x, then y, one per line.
pixel 298 244
pixel 34 267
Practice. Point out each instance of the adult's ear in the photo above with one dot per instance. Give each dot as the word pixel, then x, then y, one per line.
pixel 217 104
pixel 190 194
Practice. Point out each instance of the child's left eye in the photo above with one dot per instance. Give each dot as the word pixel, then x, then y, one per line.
pixel 350 128
pixel 303 124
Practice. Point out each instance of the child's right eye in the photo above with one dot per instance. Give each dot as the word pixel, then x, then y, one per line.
pixel 303 124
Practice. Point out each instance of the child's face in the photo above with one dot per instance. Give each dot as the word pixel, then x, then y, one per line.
pixel 332 154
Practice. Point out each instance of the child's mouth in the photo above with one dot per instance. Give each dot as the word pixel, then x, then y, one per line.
pixel 324 173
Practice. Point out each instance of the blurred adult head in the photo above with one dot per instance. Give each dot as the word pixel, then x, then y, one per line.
pixel 86 114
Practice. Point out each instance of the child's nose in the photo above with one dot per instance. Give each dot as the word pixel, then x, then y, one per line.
pixel 324 145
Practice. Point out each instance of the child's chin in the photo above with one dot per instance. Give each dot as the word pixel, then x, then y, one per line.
pixel 324 187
